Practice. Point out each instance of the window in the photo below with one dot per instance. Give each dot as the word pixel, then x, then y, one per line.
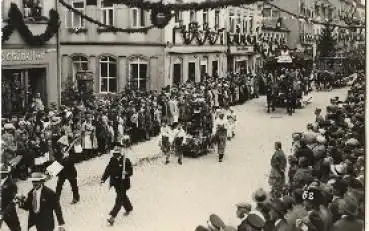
pixel 216 20
pixel 32 8
pixel 214 71
pixel 80 63
pixel 232 23
pixel 244 25
pixel 205 16
pixel 73 19
pixel 267 12
pixel 192 16
pixel 108 74
pixel 107 12
pixel 138 17
pixel 177 16
pixel 275 14
pixel 191 71
pixel 238 22
pixel 251 24
pixel 138 74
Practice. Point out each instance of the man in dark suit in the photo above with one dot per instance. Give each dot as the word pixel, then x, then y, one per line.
pixel 69 171
pixel 8 213
pixel 42 203
pixel 119 170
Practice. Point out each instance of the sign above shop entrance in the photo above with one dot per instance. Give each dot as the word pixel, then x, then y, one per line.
pixel 22 55
pixel 242 49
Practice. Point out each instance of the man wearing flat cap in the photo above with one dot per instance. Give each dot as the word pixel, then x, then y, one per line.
pixel 42 203
pixel 119 170
pixel 8 212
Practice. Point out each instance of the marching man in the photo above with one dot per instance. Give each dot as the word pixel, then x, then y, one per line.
pixel 164 143
pixel 119 170
pixel 179 140
pixel 220 132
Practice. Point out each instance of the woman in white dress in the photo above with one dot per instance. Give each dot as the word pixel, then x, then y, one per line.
pixel 89 141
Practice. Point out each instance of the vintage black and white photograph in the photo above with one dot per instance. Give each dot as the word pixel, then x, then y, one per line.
pixel 183 115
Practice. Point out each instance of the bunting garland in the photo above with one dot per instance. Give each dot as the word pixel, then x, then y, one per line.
pixel 294 16
pixel 180 6
pixel 16 21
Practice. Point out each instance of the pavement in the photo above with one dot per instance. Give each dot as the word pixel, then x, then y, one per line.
pixel 175 198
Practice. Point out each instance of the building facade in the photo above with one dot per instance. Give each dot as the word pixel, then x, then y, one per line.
pixel 243 27
pixel 300 35
pixel 115 61
pixel 195 45
pixel 29 63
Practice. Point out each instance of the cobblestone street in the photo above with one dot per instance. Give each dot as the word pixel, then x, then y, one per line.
pixel 178 198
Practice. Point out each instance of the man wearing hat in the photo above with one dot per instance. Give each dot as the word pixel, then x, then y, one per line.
pixel 254 222
pixel 119 170
pixel 8 213
pixel 339 191
pixel 243 209
pixel 349 220
pixel 69 171
pixel 215 223
pixel 220 132
pixel 276 221
pixel 42 203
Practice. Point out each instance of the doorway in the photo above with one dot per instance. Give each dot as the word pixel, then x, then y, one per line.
pixel 19 86
pixel 191 71
pixel 214 71
pixel 177 73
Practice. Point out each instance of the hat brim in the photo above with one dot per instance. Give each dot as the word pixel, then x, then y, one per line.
pixel 37 179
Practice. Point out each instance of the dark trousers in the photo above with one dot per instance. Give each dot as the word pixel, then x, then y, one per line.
pixel 11 219
pixel 271 103
pixel 291 105
pixel 120 200
pixel 73 184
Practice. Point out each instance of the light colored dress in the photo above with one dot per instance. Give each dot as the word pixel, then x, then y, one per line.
pixel 88 136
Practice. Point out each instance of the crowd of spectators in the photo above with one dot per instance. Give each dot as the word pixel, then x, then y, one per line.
pixel 323 187
pixel 29 141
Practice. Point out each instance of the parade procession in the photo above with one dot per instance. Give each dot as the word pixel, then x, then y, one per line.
pixel 218 115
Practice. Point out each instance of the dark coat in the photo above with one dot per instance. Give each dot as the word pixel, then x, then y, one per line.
pixel 8 192
pixel 348 224
pixel 69 170
pixel 49 203
pixel 243 226
pixel 114 170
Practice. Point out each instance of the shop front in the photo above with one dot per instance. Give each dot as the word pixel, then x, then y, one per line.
pixel 186 64
pixel 241 59
pixel 25 73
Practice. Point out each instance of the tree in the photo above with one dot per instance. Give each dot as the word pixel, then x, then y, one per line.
pixel 327 43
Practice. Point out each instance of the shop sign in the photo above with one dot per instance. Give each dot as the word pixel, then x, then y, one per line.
pixel 242 49
pixel 22 55
pixel 284 59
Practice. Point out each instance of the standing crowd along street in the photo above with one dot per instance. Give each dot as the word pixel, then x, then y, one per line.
pixel 323 188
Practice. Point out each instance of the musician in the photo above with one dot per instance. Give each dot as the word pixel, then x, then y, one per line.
pixel 220 132
pixel 69 172
pixel 8 213
pixel 119 170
